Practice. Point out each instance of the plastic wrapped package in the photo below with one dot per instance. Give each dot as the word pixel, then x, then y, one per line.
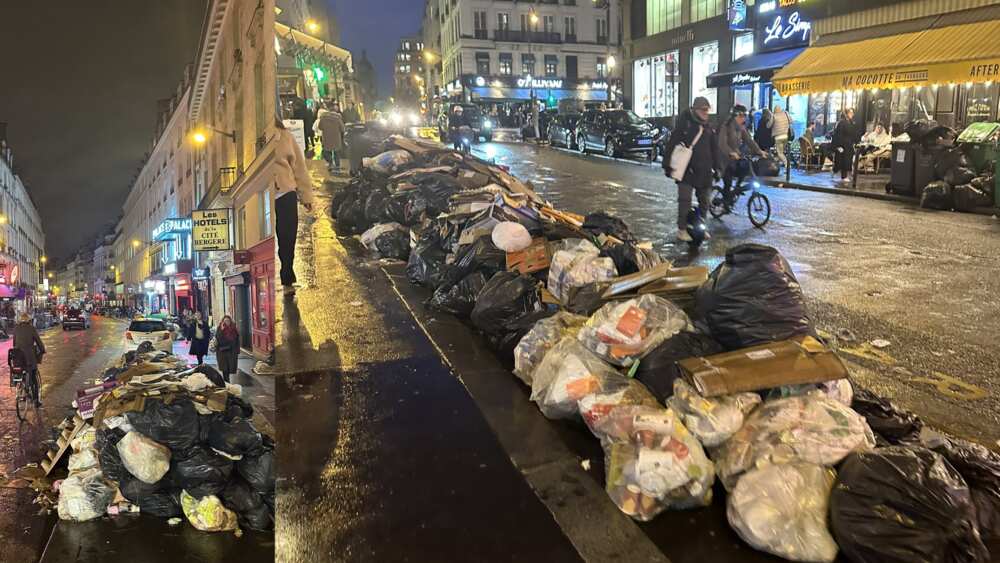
pixel 713 420
pixel 84 459
pixel 623 332
pixel 540 339
pixel 511 236
pixel 809 428
pixel 782 509
pixel 980 467
pixel 388 161
pixel 568 373
pixel 652 462
pixel 576 268
pixel 208 513
pixel 901 505
pixel 144 458
pixel 84 495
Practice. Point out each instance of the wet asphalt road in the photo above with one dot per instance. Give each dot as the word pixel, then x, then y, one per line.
pixel 926 281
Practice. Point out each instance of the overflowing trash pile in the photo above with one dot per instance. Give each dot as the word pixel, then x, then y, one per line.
pixel 958 183
pixel 686 377
pixel 172 442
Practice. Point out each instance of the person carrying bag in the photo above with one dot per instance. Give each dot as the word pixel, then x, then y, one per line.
pixel 693 161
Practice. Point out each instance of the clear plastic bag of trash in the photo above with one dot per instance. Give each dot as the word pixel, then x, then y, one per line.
pixel 84 439
pixel 626 392
pixel 839 390
pixel 654 464
pixel 208 513
pixel 387 162
pixel 623 332
pixel 532 348
pixel 83 460
pixel 568 373
pixel 809 428
pixel 511 236
pixel 577 267
pixel 84 495
pixel 712 420
pixel 782 509
pixel 144 458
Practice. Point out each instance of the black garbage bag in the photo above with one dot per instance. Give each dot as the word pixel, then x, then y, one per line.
pixel 415 211
pixel 237 407
pixel 351 191
pixel 947 160
pixel 174 426
pixel 201 472
pixel 351 218
pixel 239 496
pixel 235 438
pixel 160 504
pixel 393 244
pixel 503 343
pixel 558 231
pixel 506 297
pixel 959 175
pixel 902 505
pixel 629 258
pixel 257 468
pixel 375 204
pixel 980 467
pixel 918 129
pixel 460 298
pixel 600 223
pixel 968 198
pixel 260 518
pixel 752 298
pixel 937 195
pixel 436 188
pixel 940 136
pixel 891 424
pixel 984 183
pixel 144 347
pixel 658 369
pixel 425 265
pixel 395 208
pixel 135 490
pixel 212 374
pixel 480 256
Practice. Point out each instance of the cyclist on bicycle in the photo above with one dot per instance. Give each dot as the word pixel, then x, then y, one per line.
pixel 27 341
pixel 694 131
pixel 734 143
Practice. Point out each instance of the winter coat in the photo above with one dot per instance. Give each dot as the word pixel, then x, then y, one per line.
pixel 845 134
pixel 762 135
pixel 733 137
pixel 199 346
pixel 290 173
pixel 227 351
pixel 705 157
pixel 331 124
pixel 27 341
pixel 781 122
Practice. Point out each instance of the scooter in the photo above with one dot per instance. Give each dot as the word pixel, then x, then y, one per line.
pixel 696 228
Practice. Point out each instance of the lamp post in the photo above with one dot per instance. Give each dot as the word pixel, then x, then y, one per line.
pixel 611 62
pixel 533 19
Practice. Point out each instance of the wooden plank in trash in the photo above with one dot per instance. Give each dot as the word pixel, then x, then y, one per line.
pixel 63 442
pixel 622 284
pixel 787 362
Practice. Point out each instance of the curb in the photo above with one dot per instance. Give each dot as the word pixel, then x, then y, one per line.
pixel 868 195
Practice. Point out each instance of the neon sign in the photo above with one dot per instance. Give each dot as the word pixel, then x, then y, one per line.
pixel 787 33
pixel 538 83
pixel 744 78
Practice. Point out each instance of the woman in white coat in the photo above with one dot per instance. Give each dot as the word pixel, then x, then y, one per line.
pixel 291 185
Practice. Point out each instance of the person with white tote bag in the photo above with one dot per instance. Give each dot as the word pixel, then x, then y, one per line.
pixel 692 160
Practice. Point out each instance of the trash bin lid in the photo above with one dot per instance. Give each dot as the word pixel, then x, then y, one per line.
pixel 982 132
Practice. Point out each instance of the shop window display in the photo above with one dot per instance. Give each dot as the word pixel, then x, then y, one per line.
pixel 704 61
pixel 655 85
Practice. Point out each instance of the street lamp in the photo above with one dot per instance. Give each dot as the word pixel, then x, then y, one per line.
pixel 312 26
pixel 200 136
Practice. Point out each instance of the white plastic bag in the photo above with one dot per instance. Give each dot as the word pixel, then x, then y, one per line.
pixel 568 373
pixel 577 268
pixel 713 420
pixel 809 428
pixel 208 514
pixel 84 495
pixel 782 509
pixel 511 236
pixel 83 460
pixel 388 161
pixel 147 460
pixel 623 332
pixel 369 236
pixel 84 439
pixel 540 339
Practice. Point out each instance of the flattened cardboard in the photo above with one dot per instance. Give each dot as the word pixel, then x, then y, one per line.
pixel 787 362
pixel 532 259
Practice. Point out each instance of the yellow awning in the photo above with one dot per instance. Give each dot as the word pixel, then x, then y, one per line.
pixel 954 54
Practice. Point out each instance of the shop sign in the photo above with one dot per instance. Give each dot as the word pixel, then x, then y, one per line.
pixel 182 284
pixel 530 82
pixel 170 269
pixel 737 15
pixel 155 286
pixel 745 78
pixel 242 257
pixel 200 273
pixel 170 227
pixel 211 230
pixel 683 38
pixel 15 272
pixel 786 31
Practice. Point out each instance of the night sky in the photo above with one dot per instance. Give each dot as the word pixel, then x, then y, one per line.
pixel 79 88
pixel 377 26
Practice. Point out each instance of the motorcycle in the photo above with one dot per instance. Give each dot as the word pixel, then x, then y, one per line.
pixel 463 139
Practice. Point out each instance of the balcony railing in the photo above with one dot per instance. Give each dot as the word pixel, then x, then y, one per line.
pixel 525 36
pixel 482 34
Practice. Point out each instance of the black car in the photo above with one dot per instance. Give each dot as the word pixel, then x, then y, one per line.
pixel 481 124
pixel 75 318
pixel 661 131
pixel 615 133
pixel 562 130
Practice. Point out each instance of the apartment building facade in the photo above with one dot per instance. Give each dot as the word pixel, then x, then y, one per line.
pixel 22 239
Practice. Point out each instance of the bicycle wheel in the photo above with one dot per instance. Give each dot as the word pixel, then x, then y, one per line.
pixel 21 402
pixel 717 206
pixel 759 209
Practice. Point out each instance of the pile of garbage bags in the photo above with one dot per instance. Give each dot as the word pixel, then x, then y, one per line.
pixel 957 184
pixel 172 442
pixel 602 332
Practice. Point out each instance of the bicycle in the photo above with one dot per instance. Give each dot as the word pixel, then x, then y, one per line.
pixel 758 205
pixel 23 381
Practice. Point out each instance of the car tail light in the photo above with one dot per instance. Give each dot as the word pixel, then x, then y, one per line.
pixel 165 336
pixel 128 336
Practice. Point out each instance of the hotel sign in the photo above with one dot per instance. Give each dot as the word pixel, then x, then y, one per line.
pixel 170 227
pixel 211 230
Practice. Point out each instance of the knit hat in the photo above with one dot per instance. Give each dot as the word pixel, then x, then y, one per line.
pixel 701 102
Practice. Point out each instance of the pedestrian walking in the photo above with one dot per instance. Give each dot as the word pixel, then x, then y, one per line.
pixel 762 136
pixel 781 131
pixel 26 340
pixel 331 126
pixel 199 334
pixel 291 184
pixel 845 136
pixel 227 347
pixel 303 112
pixel 351 114
pixel 694 132
pixel 735 142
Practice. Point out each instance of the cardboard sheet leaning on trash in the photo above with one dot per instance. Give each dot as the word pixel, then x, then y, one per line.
pixel 131 395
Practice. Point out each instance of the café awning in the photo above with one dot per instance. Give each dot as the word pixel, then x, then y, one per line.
pixel 752 69
pixel 945 52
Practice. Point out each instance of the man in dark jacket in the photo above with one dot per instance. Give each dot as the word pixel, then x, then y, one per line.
pixel 735 142
pixel 27 341
pixel 845 135
pixel 694 131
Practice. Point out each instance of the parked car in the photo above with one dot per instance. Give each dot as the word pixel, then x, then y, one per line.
pixel 615 133
pixel 481 125
pixel 158 333
pixel 75 318
pixel 562 130
pixel 661 132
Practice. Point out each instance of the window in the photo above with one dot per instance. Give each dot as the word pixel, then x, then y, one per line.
pixel 602 30
pixel 704 61
pixel 742 46
pixel 406 45
pixel 602 67
pixel 503 21
pixel 241 228
pixel 549 24
pixel 570 26
pixel 483 64
pixel 662 15
pixel 506 64
pixel 705 9
pixel 526 23
pixel 528 64
pixel 551 65
pixel 479 21
pixel 265 213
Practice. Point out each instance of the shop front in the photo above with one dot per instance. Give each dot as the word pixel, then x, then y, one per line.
pixel 506 98
pixel 262 285
pixel 174 253
pixel 310 70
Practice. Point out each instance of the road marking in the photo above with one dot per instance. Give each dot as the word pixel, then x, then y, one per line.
pixel 869 352
pixel 953 387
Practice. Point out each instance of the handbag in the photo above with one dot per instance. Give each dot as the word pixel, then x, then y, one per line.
pixel 681 157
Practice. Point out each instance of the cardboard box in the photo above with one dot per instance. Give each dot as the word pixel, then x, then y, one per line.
pixel 787 362
pixel 532 259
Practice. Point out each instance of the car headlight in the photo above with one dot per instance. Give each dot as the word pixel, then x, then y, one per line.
pixel 414 119
pixel 487 124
